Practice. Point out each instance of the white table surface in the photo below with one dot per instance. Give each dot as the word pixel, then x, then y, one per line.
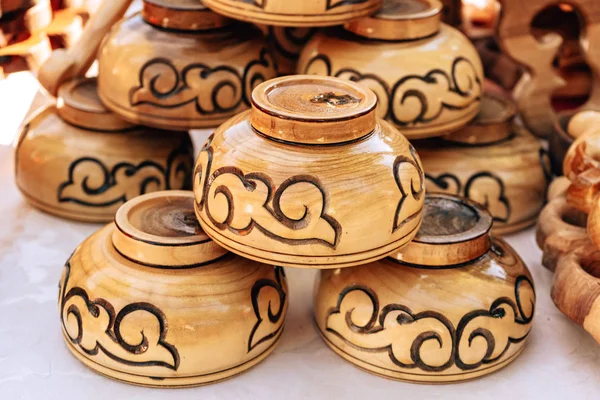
pixel 561 360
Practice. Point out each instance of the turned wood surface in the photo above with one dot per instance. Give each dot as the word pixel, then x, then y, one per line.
pixel 536 87
pixel 509 177
pixel 290 108
pixel 493 123
pixel 74 62
pixel 454 231
pixel 179 81
pixel 86 175
pixel 168 327
pixel 428 325
pixel 400 20
pixel 80 105
pixel 295 13
pixel 188 15
pixel 437 92
pixel 309 205
pixel 161 228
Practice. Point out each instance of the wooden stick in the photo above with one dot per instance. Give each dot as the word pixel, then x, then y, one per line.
pixel 65 64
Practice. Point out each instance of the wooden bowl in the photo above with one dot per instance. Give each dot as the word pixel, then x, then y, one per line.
pixel 151 300
pixel 437 91
pixel 454 305
pixel 309 177
pixel 493 161
pixel 180 66
pixel 295 13
pixel 79 161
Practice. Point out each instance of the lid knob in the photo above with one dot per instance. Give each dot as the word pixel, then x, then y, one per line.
pixel 492 124
pixel 186 15
pixel 400 20
pixel 79 104
pixel 309 109
pixel 454 231
pixel 161 229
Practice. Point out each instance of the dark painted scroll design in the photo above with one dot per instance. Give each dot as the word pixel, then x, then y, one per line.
pixel 392 327
pixel 76 303
pixel 412 193
pixel 211 89
pixel 229 188
pixel 461 87
pixel 484 187
pixel 268 322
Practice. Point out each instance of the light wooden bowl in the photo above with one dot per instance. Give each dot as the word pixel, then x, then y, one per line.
pixel 493 161
pixel 454 305
pixel 309 178
pixel 427 75
pixel 79 161
pixel 179 66
pixel 151 300
pixel 295 13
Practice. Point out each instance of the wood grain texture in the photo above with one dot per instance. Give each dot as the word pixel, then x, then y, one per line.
pixel 534 90
pixel 430 324
pixel 436 92
pixel 319 206
pixel 163 326
pixel 509 177
pixel 86 174
pixel 177 80
pixel 295 13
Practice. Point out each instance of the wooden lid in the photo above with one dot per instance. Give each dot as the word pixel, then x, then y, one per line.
pixel 492 123
pixel 309 109
pixel 454 231
pixel 400 20
pixel 160 229
pixel 79 104
pixel 187 15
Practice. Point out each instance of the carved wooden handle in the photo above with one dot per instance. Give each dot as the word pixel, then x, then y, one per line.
pixel 560 229
pixel 576 288
pixel 65 64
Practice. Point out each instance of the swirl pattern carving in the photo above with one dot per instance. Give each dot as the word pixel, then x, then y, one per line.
pixel 413 99
pixel 268 322
pixel 92 183
pixel 240 203
pixel 152 348
pixel 212 89
pixel 428 340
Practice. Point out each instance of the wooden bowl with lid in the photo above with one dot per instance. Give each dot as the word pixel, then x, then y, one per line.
pixel 427 75
pixel 78 160
pixel 295 13
pixel 309 177
pixel 454 305
pixel 494 161
pixel 151 300
pixel 179 66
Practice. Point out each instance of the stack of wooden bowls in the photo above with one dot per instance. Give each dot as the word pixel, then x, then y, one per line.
pixel 306 171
